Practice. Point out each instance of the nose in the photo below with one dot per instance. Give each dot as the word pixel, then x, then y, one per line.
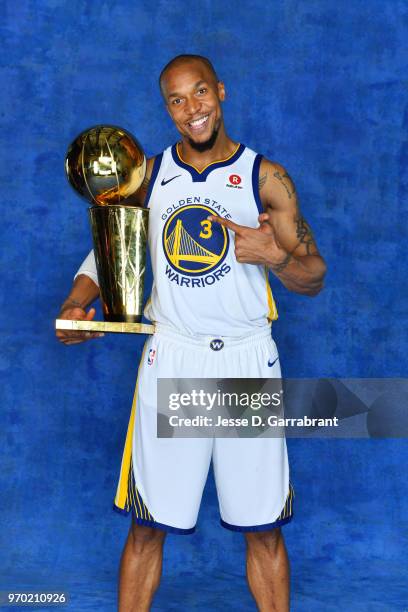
pixel 193 106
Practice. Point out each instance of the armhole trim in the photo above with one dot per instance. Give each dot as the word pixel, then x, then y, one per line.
pixel 155 172
pixel 272 309
pixel 255 182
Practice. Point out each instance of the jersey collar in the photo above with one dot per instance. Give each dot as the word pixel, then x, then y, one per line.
pixel 201 176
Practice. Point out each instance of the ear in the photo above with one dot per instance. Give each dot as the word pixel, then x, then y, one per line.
pixel 221 91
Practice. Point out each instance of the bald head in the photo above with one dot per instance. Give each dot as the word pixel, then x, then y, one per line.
pixel 193 96
pixel 183 60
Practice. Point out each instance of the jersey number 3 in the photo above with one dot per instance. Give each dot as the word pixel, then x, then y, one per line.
pixel 206 232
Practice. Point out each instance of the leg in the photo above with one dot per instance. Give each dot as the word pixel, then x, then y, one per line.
pixel 140 568
pixel 268 570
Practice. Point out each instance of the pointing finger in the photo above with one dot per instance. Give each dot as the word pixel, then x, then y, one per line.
pixel 227 223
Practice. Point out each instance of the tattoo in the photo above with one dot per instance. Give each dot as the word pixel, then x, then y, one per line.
pixel 304 233
pixel 286 182
pixel 73 302
pixel 282 265
pixel 144 186
pixel 262 181
pixel 70 303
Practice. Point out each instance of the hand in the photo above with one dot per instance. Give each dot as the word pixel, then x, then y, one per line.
pixel 72 336
pixel 255 245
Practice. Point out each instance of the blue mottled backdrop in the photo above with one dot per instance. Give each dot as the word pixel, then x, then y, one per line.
pixel 317 86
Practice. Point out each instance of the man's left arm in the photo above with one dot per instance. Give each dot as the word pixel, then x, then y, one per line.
pixel 293 255
pixel 283 241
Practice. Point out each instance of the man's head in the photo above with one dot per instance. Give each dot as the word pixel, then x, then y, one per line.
pixel 193 96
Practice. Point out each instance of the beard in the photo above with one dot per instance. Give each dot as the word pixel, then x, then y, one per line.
pixel 208 144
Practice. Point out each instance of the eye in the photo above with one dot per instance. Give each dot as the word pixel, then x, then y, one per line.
pixel 176 101
pixel 203 90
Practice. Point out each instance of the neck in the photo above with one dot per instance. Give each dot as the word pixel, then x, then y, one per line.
pixel 223 148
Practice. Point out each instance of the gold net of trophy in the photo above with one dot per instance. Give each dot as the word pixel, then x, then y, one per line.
pixel 106 165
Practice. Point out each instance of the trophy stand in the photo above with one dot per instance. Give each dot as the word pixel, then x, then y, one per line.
pixel 120 238
pixel 105 326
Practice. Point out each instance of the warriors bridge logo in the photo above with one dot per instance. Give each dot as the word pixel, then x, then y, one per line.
pixel 195 247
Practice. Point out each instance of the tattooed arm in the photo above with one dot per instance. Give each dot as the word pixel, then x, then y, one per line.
pixel 283 241
pixel 293 255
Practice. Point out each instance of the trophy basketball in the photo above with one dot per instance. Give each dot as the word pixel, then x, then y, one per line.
pixel 106 165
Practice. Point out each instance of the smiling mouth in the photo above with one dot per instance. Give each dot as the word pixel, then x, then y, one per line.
pixel 198 124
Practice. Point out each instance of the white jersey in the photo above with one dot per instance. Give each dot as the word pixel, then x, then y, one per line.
pixel 199 287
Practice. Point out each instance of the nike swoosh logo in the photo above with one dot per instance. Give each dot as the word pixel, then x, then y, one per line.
pixel 163 183
pixel 271 364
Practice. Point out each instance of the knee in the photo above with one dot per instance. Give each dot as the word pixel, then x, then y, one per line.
pixel 264 541
pixel 144 539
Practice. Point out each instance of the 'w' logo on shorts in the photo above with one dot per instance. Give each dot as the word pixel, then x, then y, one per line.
pixel 216 344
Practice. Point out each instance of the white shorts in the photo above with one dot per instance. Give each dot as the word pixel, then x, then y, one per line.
pixel 162 479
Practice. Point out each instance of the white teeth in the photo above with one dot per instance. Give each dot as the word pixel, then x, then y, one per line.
pixel 198 122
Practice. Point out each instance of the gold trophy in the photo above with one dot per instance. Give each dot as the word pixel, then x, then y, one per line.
pixel 106 165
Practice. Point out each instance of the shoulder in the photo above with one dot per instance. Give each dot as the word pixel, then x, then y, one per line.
pixel 275 184
pixel 271 167
pixel 149 166
pixel 157 160
pixel 143 190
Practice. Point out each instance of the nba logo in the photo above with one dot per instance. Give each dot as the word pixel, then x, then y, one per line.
pixel 151 356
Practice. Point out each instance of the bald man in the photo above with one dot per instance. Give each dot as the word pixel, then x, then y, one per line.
pixel 221 217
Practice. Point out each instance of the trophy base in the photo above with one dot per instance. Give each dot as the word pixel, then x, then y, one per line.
pixel 118 327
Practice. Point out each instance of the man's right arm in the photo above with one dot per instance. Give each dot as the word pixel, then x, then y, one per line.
pixel 85 288
pixel 83 292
